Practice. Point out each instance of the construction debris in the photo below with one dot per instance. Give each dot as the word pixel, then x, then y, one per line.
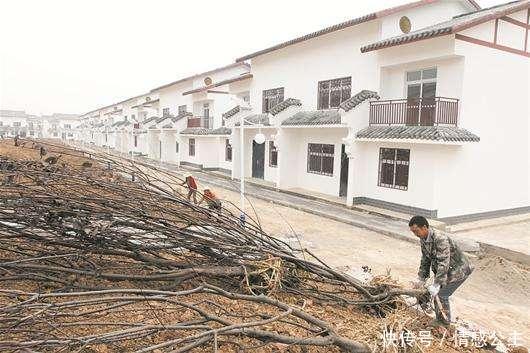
pixel 92 261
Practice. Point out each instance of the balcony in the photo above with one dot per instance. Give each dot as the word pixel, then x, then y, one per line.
pixel 205 122
pixel 415 112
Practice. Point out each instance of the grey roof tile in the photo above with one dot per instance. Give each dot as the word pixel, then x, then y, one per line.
pixel 256 119
pixel 148 120
pixel 357 99
pixel 234 111
pixel 453 25
pixel 314 117
pixel 280 107
pixel 195 131
pixel 434 133
pixel 223 130
pixel 13 113
pixel 202 131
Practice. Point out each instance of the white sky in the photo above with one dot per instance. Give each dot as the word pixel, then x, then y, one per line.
pixel 72 56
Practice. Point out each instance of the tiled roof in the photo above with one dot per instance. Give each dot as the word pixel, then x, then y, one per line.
pixel 195 131
pixel 202 131
pixel 357 99
pixel 256 119
pixel 314 117
pixel 346 24
pixel 236 64
pixel 456 24
pixel 120 123
pixel 148 120
pixel 220 83
pixel 284 105
pixel 434 133
pixel 146 103
pixel 223 130
pixel 13 113
pixel 173 119
pixel 234 111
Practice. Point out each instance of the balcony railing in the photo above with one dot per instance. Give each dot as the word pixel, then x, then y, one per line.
pixel 201 121
pixel 415 111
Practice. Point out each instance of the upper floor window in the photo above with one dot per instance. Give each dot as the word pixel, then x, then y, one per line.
pixel 271 97
pixel 165 112
pixel 421 83
pixel 67 126
pixel 206 110
pixel 182 109
pixel 332 93
pixel 421 93
pixel 17 124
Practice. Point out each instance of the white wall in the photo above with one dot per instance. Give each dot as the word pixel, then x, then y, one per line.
pixel 300 67
pixel 422 16
pixel 492 174
pixel 293 159
pixel 422 174
pixel 448 82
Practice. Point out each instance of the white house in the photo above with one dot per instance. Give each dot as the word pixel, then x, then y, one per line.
pixel 13 122
pixel 421 108
pixel 57 125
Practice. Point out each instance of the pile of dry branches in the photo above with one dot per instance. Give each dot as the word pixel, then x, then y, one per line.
pixel 90 258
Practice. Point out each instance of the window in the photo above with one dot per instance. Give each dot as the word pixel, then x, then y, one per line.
pixel 67 126
pixel 176 147
pixel 273 155
pixel 394 168
pixel 271 97
pixel 228 151
pixel 165 112
pixel 320 158
pixel 182 109
pixel 1 123
pixel 135 140
pixel 191 148
pixel 332 93
pixel 421 93
pixel 17 124
pixel 69 134
pixel 133 117
pixel 206 110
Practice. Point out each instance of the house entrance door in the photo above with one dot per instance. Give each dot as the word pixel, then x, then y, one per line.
pixel 344 165
pixel 258 160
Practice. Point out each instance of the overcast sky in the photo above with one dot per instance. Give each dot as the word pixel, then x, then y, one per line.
pixel 73 56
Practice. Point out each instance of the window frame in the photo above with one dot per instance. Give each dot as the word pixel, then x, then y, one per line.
pixel 421 81
pixel 329 91
pixel 279 96
pixel 191 147
pixel 322 156
pixel 228 151
pixel 182 108
pixel 273 150
pixel 165 112
pixel 395 162
pixel 177 147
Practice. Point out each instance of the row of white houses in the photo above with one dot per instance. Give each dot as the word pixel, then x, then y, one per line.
pixel 55 126
pixel 422 108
